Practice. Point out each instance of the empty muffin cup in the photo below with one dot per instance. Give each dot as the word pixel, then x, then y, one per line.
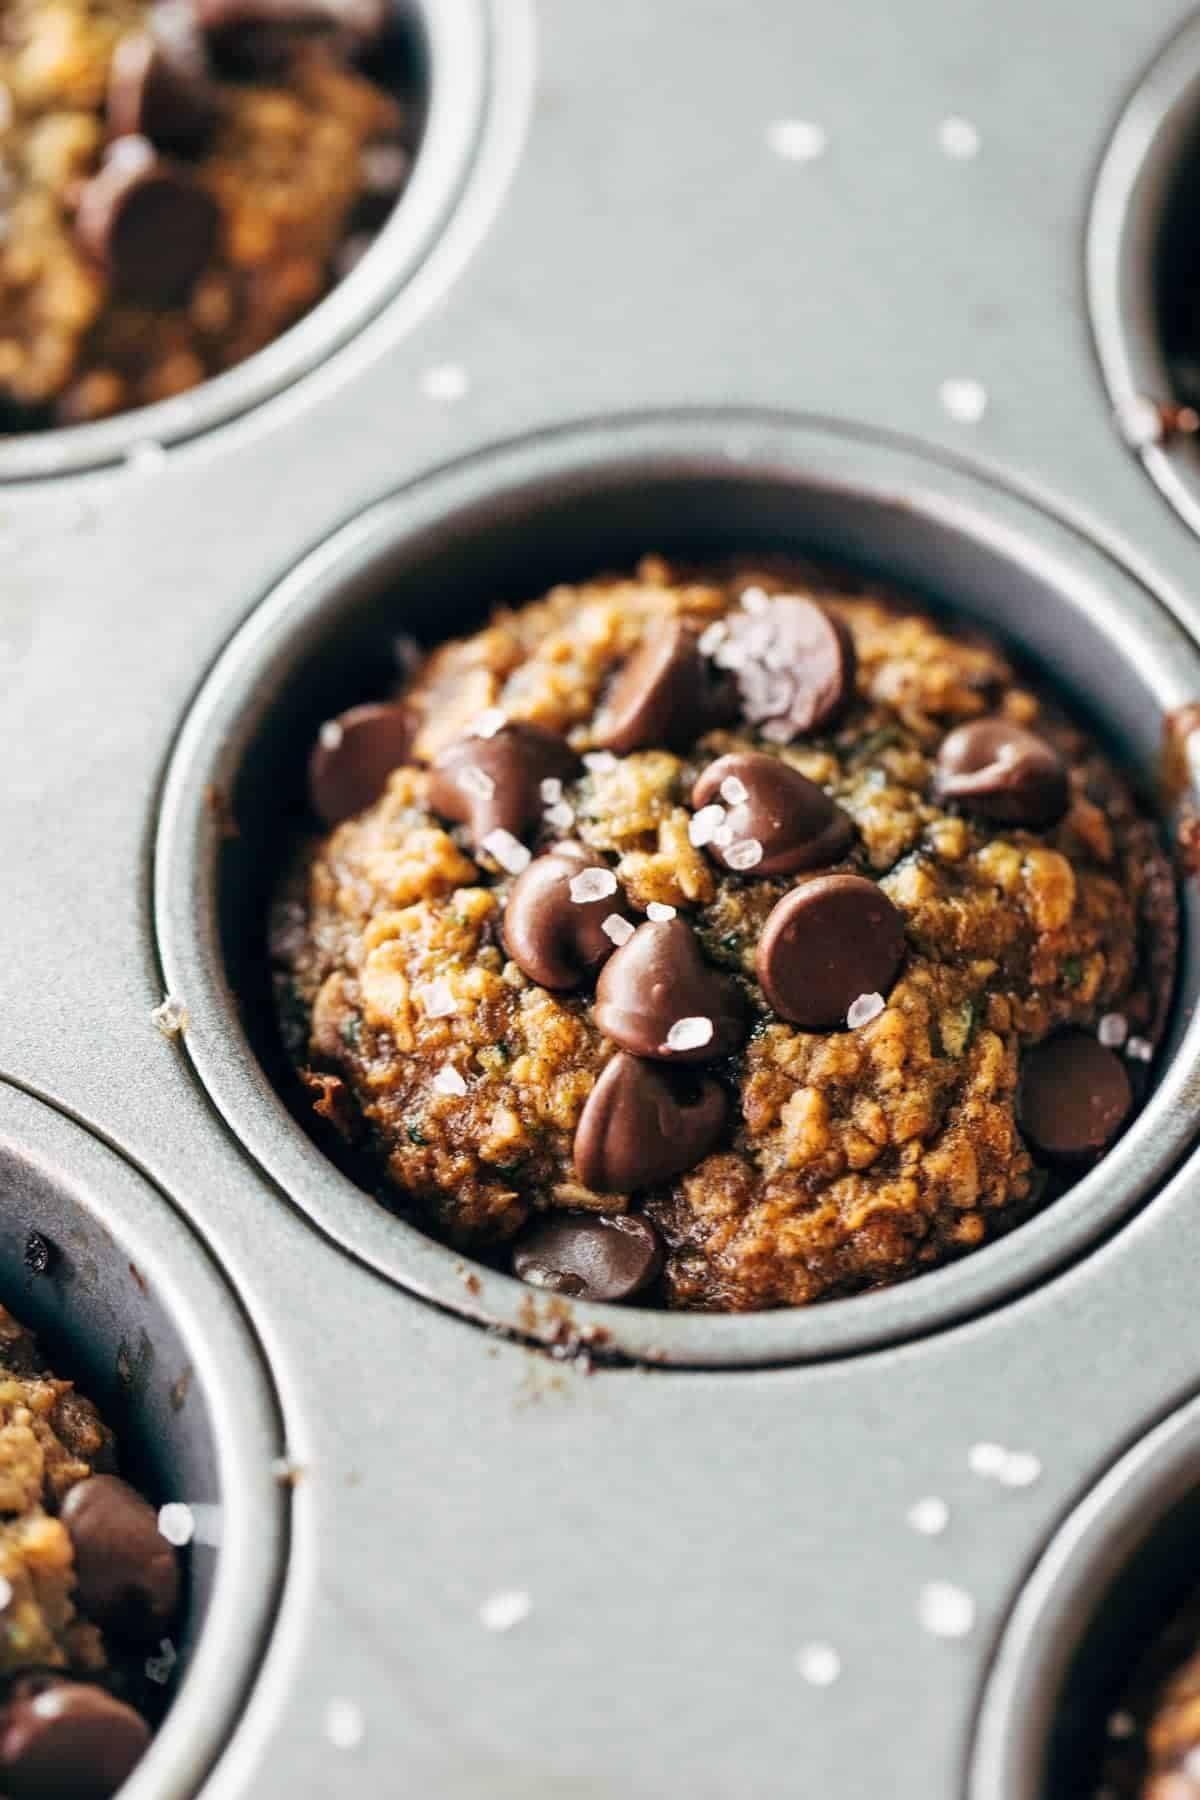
pixel 506 526
pixel 125 1303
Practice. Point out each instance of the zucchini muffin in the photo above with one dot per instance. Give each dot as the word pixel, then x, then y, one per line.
pixel 179 181
pixel 739 938
pixel 89 1590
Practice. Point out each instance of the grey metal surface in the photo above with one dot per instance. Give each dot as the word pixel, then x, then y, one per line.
pixel 625 240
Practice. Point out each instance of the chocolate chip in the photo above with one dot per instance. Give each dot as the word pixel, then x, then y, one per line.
pixel 353 756
pixel 667 695
pixel 826 944
pixel 796 824
pixel 157 90
pixel 1074 1095
pixel 494 783
pixel 658 997
pixel 795 666
pixel 127 1576
pixel 643 1123
pixel 552 930
pixel 589 1256
pixel 1003 772
pixel 68 1740
pixel 259 37
pixel 147 223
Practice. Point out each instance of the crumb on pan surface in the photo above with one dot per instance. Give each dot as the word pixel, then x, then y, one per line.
pixel 852 1158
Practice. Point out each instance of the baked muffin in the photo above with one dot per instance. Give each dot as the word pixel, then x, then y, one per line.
pixel 180 181
pixel 741 938
pixel 89 1590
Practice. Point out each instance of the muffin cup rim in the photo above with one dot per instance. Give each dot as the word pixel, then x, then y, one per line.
pixel 738 445
pixel 229 1370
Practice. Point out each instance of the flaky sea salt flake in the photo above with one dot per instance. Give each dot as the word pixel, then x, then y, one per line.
pixel 797 140
pixel 476 782
pixel 176 1523
pixel 733 791
pixel 330 735
pixel 864 1009
pixel 755 599
pixel 445 381
pixel 171 1016
pixel 507 850
pixel 448 1080
pixel 551 791
pixel 600 762
pixel 1112 1030
pixel 945 1610
pixel 504 1609
pixel 438 999
pixel 1140 1049
pixel 658 912
pixel 158 1668
pixel 690 1034
pixel 592 884
pixel 818 1664
pixel 560 816
pixel 929 1516
pixel 963 399
pixel 746 854
pixel 616 929
pixel 1021 1468
pixel 491 720
pixel 703 824
pixel 959 139
pixel 712 637
pixel 345 1725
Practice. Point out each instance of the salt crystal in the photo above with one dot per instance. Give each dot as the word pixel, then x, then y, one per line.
pixel 1112 1030
pixel 1140 421
pixel 733 791
pixel 330 735
pixel 797 140
pixel 959 139
pixel 446 381
pixel 504 1609
pixel 171 1017
pixel 6 1593
pixel 929 1516
pixel 476 782
pixel 864 1009
pixel 945 1611
pixel 551 790
pixel 600 762
pixel 744 855
pixel 755 599
pixel 703 824
pixel 449 1081
pixel 659 913
pixel 712 637
pixel 617 929
pixel 491 720
pixel 1021 1468
pixel 592 884
pixel 158 1668
pixel 345 1724
pixel 561 817
pixel 508 851
pixel 176 1524
pixel 986 1459
pixel 778 731
pixel 438 999
pixel 690 1034
pixel 818 1664
pixel 1140 1049
pixel 963 399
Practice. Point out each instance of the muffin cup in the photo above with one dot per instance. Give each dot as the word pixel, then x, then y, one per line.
pixel 504 526
pixel 1136 248
pixel 1108 1582
pixel 132 1309
pixel 454 37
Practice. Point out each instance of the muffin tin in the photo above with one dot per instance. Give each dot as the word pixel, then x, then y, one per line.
pixel 680 284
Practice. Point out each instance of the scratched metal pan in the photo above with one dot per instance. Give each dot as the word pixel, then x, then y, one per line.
pixel 449 53
pixel 132 1308
pixel 507 524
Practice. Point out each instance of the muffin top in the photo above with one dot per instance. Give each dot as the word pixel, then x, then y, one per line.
pixel 739 938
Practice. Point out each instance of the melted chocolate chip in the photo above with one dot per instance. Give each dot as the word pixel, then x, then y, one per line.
pixel 494 783
pixel 589 1256
pixel 157 90
pixel 147 223
pixel 1003 772
pixel 1074 1096
pixel 353 756
pixel 126 1573
pixel 667 695
pixel 824 945
pixel 68 1739
pixel 558 940
pixel 795 666
pixel 658 997
pixel 643 1123
pixel 796 824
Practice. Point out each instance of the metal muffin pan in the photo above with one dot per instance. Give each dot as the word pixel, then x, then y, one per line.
pixel 451 45
pixel 507 525
pixel 625 234
pixel 1138 238
pixel 133 1310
